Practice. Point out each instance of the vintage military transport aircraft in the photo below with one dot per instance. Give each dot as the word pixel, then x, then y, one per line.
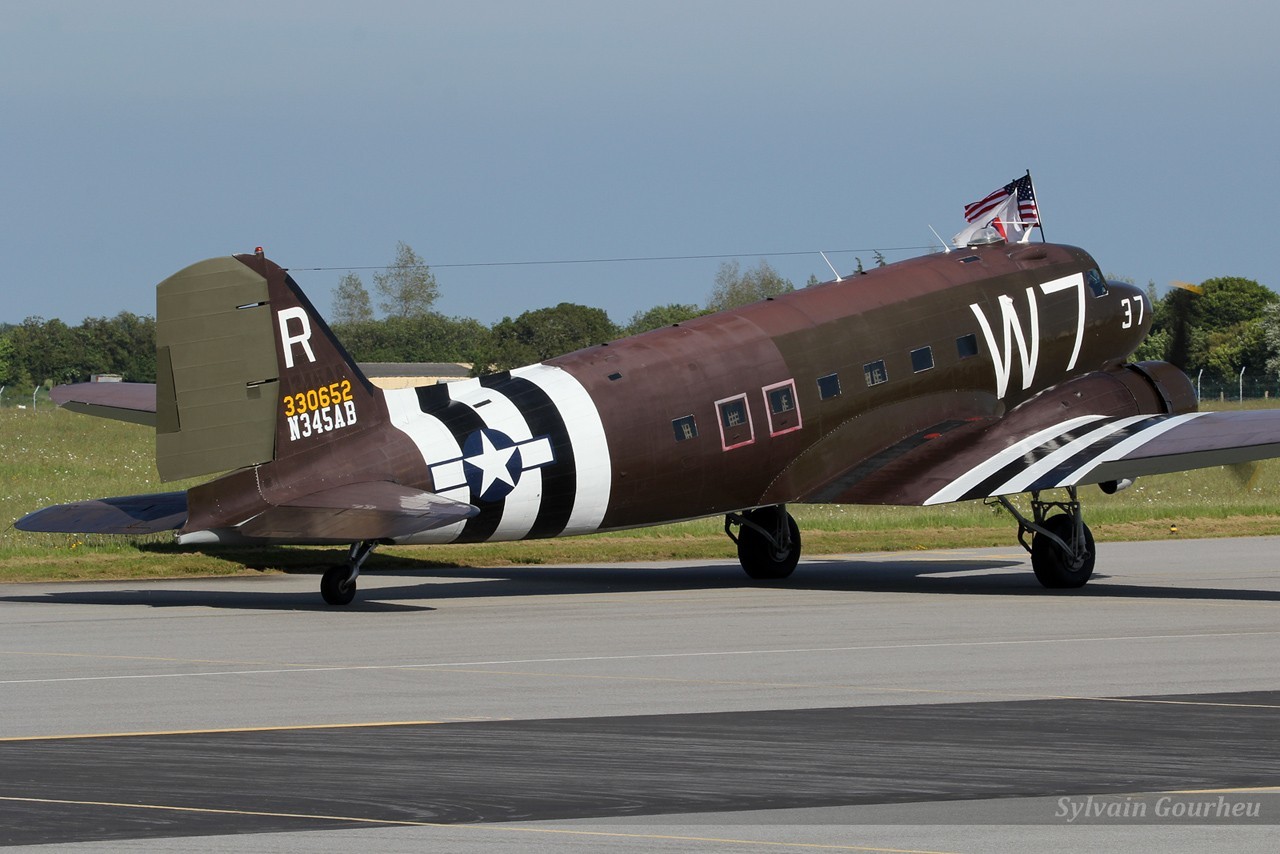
pixel 981 373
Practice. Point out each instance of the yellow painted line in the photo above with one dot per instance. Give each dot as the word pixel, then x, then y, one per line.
pixel 492 828
pixel 666 679
pixel 868 689
pixel 249 729
pixel 1170 702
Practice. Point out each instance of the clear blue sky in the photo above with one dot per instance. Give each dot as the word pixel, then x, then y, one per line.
pixel 139 137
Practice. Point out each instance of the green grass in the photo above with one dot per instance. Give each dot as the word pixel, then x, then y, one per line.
pixel 51 456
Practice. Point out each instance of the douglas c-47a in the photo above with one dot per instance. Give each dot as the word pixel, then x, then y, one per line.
pixel 985 372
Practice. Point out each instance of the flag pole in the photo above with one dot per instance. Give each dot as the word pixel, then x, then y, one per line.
pixel 1039 218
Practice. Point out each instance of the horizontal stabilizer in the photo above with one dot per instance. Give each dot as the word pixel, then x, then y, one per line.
pixel 131 514
pixel 374 510
pixel 133 402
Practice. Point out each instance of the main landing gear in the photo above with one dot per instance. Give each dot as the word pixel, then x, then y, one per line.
pixel 338 586
pixel 1061 549
pixel 768 541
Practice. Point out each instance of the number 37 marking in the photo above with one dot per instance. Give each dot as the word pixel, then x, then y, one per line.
pixel 1128 311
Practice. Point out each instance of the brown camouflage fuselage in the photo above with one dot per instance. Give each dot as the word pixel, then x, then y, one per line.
pixel 866 390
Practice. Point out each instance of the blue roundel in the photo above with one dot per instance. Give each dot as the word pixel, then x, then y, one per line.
pixel 491 462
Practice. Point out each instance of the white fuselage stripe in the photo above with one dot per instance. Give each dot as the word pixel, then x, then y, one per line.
pixel 520 508
pixel 590 448
pixel 434 442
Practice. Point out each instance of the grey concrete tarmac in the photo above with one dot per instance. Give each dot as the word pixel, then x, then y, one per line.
pixel 1191 621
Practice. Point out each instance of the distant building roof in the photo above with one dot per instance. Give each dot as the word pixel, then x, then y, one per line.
pixel 390 375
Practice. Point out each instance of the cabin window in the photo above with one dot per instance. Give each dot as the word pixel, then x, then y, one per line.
pixel 784 411
pixel 875 372
pixel 685 428
pixel 967 345
pixel 829 386
pixel 736 429
pixel 1097 284
pixel 921 359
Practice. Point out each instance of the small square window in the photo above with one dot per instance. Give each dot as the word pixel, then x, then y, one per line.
pixel 967 345
pixel 735 422
pixel 875 373
pixel 685 428
pixel 782 399
pixel 829 386
pixel 921 359
pixel 733 413
pixel 784 409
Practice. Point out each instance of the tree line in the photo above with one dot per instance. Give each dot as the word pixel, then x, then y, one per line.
pixel 1220 326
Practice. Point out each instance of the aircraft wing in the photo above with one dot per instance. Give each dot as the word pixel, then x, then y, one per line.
pixel 133 402
pixel 1095 449
pixel 359 511
pixel 967 459
pixel 131 514
pixel 1106 448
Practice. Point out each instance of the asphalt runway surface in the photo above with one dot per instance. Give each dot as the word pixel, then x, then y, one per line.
pixel 927 701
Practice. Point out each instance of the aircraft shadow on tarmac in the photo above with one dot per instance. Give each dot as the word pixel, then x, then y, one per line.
pixel 435 583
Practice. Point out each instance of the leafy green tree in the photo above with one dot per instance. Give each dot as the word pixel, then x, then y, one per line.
pixel 1226 331
pixel 8 370
pixel 124 344
pixel 546 332
pixel 407 287
pixel 735 287
pixel 1241 345
pixel 660 316
pixel 1219 326
pixel 425 338
pixel 48 350
pixel 351 303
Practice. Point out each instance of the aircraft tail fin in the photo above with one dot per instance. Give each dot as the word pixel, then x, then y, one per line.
pixel 246 368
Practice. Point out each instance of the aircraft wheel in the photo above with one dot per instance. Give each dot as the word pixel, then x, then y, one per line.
pixel 335 586
pixel 759 558
pixel 1054 567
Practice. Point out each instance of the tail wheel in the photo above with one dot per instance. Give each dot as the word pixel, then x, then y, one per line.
pixel 1059 568
pixel 764 558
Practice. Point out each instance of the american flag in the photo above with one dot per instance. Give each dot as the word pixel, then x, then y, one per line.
pixel 1027 212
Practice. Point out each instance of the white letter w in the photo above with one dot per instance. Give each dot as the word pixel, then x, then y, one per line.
pixel 1002 357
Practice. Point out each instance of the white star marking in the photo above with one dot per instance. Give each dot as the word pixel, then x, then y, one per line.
pixel 492 463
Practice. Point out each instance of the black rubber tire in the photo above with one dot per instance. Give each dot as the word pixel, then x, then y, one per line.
pixel 756 555
pixel 1049 561
pixel 335 588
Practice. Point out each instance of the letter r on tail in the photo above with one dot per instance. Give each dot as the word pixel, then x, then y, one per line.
pixel 287 340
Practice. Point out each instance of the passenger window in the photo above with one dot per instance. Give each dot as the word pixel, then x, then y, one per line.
pixel 967 345
pixel 735 422
pixel 921 359
pixel 685 428
pixel 875 373
pixel 829 386
pixel 784 411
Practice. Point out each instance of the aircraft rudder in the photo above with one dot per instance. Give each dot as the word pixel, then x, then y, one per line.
pixel 247 370
pixel 321 395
